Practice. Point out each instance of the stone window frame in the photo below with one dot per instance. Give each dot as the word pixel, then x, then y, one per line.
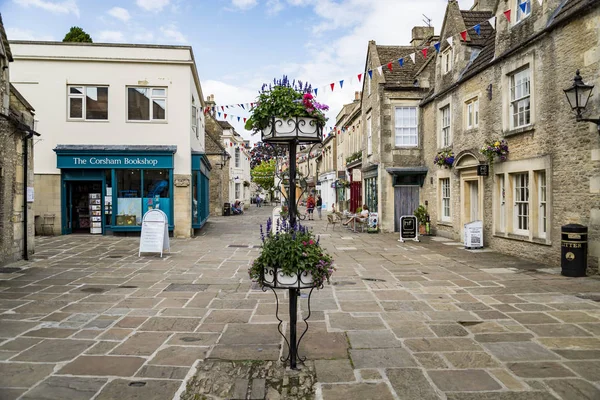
pixel 83 97
pixel 447 102
pixel 405 104
pixel 533 167
pixel 447 60
pixel 472 99
pixel 369 134
pixel 519 15
pixel 442 176
pixel 510 68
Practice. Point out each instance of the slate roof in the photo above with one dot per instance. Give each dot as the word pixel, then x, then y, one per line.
pixel 225 125
pixel 485 56
pixel 400 76
pixel 473 18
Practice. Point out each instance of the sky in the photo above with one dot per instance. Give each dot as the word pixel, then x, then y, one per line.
pixel 240 44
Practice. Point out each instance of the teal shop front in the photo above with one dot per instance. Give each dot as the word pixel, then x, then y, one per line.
pixel 200 189
pixel 107 189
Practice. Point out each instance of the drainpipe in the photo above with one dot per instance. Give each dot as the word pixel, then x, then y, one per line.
pixel 25 182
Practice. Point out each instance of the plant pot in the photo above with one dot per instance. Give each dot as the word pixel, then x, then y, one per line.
pixel 285 129
pixel 277 279
pixel 422 230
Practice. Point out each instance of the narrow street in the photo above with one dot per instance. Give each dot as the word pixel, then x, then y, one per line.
pixel 88 319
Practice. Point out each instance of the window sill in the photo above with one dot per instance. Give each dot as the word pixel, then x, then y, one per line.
pixel 518 131
pixel 146 122
pixel 445 223
pixel 87 120
pixel 521 238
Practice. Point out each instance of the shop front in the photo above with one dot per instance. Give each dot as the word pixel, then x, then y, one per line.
pixel 200 189
pixel 107 189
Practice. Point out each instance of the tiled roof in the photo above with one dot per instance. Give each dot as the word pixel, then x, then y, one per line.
pixel 473 18
pixel 485 56
pixel 400 76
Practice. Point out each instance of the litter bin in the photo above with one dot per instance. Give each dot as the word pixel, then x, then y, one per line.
pixel 573 246
pixel 226 209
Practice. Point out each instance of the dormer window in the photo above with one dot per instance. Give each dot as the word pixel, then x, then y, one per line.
pixel 447 60
pixel 522 4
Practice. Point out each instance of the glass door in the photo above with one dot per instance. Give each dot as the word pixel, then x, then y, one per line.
pixel 68 220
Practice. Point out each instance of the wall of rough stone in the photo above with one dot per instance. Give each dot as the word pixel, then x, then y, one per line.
pixel 182 206
pixel 48 203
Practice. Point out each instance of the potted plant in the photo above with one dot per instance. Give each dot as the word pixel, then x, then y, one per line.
pixel 290 257
pixel 285 100
pixel 444 158
pixel 493 149
pixel 422 216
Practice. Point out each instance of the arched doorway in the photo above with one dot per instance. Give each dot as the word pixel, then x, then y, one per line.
pixel 471 188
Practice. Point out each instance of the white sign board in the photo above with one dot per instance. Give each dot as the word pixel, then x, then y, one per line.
pixel 155 233
pixel 474 235
pixel 373 220
pixel 30 194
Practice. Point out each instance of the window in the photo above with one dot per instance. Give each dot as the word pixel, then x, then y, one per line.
pixel 237 157
pixel 146 104
pixel 542 213
pixel 238 187
pixel 129 197
pixel 406 126
pixel 369 137
pixel 368 83
pixel 502 195
pixel 371 193
pixel 519 98
pixel 446 138
pixel 447 60
pixel 88 103
pixel 521 199
pixel 194 117
pixel 445 192
pixel 472 113
pixel 521 15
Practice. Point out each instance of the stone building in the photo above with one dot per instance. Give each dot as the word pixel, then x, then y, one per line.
pixel 392 163
pixel 16 165
pixel 506 83
pixel 219 158
pixel 239 166
pixel 327 169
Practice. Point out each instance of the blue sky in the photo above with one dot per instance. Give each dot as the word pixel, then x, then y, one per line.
pixel 239 44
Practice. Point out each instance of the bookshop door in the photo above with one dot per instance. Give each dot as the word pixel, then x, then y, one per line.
pixel 83 207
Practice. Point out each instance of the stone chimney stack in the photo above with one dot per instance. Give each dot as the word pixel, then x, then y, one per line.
pixel 210 100
pixel 356 96
pixel 484 5
pixel 421 34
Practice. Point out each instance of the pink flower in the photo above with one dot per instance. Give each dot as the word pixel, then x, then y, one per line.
pixel 307 96
pixel 311 241
pixel 304 243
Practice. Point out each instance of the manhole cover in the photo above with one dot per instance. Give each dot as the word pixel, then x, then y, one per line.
pixel 92 290
pixel 190 339
pixel 9 270
pixel 128 287
pixel 343 283
pixel 589 296
pixel 374 279
pixel 137 384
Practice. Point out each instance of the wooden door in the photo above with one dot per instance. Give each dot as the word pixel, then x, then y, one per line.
pixel 406 201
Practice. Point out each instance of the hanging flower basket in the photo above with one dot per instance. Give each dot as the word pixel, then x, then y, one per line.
pixel 495 148
pixel 444 158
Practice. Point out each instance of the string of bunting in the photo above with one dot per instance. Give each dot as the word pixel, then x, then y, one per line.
pixel 389 65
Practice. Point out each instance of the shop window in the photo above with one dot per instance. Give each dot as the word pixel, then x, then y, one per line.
pixel 88 103
pixel 371 193
pixel 156 190
pixel 108 206
pixel 129 200
pixel 195 198
pixel 146 104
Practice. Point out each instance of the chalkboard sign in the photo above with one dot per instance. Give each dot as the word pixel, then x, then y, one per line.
pixel 409 228
pixel 483 170
pixel 155 233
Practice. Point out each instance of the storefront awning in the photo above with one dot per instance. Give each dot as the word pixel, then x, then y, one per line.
pixel 407 175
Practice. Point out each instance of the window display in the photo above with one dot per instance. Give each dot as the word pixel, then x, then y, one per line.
pixel 129 201
pixel 156 190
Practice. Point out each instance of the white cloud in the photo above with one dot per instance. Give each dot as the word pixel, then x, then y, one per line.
pixel 110 36
pixel 119 13
pixel 172 34
pixel 244 4
pixel 143 37
pixel 152 5
pixel 274 7
pixel 26 34
pixel 61 7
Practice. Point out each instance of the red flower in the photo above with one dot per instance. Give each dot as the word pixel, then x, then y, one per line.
pixel 311 241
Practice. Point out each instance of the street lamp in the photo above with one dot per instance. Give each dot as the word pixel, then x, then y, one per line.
pixel 578 96
pixel 224 157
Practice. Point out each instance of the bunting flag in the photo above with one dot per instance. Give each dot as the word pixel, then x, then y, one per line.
pixel 477 29
pixel 359 77
pixel 225 116
pixel 412 57
pixel 332 85
pixel 523 6
pixel 449 40
pixel 238 119
pixel 424 52
pixel 245 122
pixel 222 108
pixel 342 84
pixel 401 61
pixel 492 22
pixel 380 70
pixel 242 106
pixel 389 66
pixel 371 73
pixel 316 90
pixel 437 46
pixel 219 114
pixel 507 15
pixel 463 35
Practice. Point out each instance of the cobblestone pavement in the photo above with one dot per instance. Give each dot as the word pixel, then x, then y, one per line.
pixel 88 319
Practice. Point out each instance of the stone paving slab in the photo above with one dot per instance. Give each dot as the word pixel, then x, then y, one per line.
pixel 88 318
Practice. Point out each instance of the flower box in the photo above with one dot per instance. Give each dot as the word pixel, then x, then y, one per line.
pixel 274 277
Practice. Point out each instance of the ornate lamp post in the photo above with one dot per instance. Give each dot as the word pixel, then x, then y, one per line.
pixel 578 96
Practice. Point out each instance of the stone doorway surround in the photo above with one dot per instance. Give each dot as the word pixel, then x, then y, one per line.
pixel 471 189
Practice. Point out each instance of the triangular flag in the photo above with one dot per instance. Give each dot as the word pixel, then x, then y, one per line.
pixel 412 57
pixel 380 70
pixel 401 61
pixel 342 84
pixel 316 90
pixel 541 2
pixel 245 122
pixel 359 77
pixel 424 52
pixel 463 35
pixel 477 29
pixel 241 105
pixel 371 74
pixel 389 66
pixel 225 116
pixel 219 115
pixel 222 108
pixel 449 40
pixel 492 22
pixel 332 86
pixel 523 6
pixel 238 119
pixel 437 46
pixel 507 14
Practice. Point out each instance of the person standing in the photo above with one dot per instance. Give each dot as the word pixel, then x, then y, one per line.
pixel 310 207
pixel 257 200
pixel 319 205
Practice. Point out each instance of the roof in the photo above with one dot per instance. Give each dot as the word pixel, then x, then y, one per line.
pixel 473 18
pixel 115 148
pixel 225 125
pixel 404 76
pixel 18 95
pixel 485 56
pixel 5 41
pixel 567 8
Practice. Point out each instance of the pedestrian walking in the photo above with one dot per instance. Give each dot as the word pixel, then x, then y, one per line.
pixel 319 206
pixel 257 200
pixel 310 207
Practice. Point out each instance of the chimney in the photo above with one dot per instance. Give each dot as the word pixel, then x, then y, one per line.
pixel 210 100
pixel 420 34
pixel 484 5
pixel 356 96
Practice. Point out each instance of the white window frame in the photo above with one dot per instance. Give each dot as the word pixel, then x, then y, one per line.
pixel 542 195
pixel 445 204
pixel 446 130
pixel 83 97
pixel 408 127
pixel 152 97
pixel 194 117
pixel 520 15
pixel 521 201
pixel 472 113
pixel 238 193
pixel 237 154
pixel 447 56
pixel 519 94
pixel 369 136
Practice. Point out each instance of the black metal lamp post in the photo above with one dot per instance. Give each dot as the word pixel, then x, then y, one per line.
pixel 578 96
pixel 293 131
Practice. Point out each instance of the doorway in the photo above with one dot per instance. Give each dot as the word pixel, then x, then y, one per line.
pixel 473 206
pixel 406 201
pixel 83 207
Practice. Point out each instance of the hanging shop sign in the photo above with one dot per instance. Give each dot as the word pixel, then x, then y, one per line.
pixel 408 228
pixel 483 170
pixel 155 233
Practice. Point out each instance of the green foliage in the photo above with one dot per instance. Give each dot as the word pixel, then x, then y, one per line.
pixel 76 34
pixel 293 250
pixel 264 175
pixel 354 157
pixel 421 214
